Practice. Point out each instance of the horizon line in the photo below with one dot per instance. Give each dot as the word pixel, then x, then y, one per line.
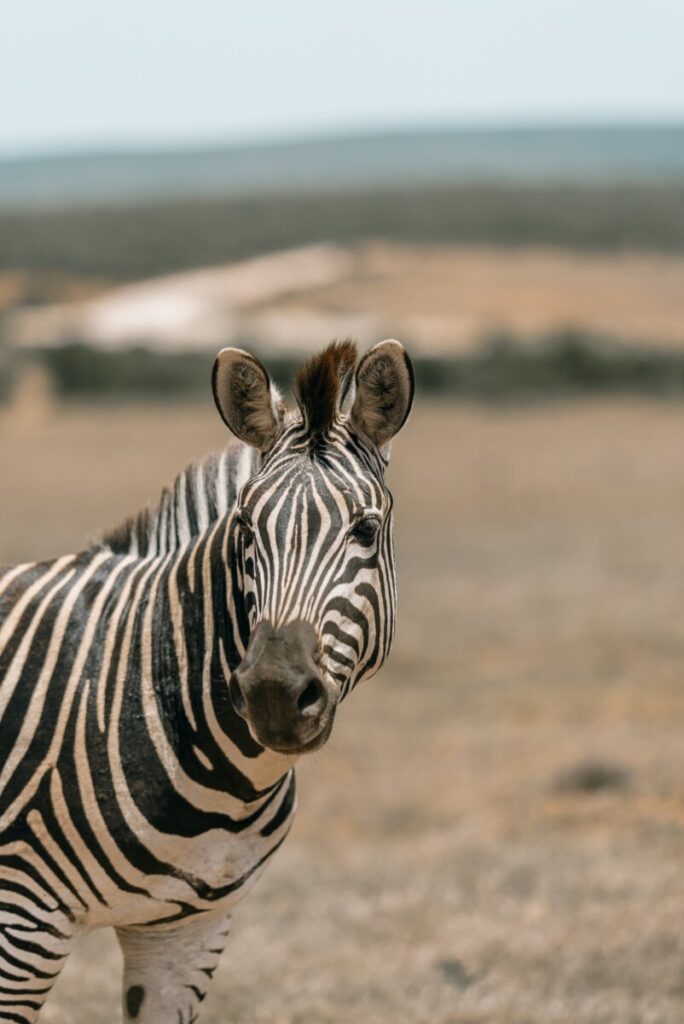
pixel 137 146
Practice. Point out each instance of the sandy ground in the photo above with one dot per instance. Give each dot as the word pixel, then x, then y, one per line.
pixel 495 834
pixel 442 299
pixel 449 297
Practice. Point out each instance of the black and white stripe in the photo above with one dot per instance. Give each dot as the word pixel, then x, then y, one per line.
pixel 132 793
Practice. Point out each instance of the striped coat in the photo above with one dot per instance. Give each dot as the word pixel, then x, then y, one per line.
pixel 157 689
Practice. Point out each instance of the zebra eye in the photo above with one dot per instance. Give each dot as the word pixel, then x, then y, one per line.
pixel 366 529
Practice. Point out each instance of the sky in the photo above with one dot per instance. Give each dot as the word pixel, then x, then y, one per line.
pixel 85 74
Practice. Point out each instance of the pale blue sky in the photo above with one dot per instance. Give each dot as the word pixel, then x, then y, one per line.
pixel 85 73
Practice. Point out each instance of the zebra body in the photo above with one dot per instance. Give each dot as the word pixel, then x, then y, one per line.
pixel 157 689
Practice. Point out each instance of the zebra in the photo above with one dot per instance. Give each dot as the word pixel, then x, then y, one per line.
pixel 157 689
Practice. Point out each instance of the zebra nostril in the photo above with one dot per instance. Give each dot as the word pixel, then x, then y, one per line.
pixel 237 696
pixel 309 696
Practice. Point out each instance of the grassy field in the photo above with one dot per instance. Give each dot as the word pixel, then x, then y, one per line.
pixel 495 833
pixel 132 241
pixel 480 321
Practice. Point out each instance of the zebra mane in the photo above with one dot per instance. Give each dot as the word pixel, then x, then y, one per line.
pixel 200 495
pixel 206 490
pixel 322 385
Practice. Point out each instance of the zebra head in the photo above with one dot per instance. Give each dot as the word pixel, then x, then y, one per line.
pixel 313 533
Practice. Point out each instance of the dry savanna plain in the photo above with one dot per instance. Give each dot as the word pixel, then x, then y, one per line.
pixel 442 299
pixel 495 833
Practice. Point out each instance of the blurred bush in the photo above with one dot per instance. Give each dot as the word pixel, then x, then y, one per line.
pixel 6 366
pixel 504 368
pixel 563 363
pixel 127 242
pixel 79 369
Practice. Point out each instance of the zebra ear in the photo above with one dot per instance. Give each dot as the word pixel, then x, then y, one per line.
pixel 384 392
pixel 249 404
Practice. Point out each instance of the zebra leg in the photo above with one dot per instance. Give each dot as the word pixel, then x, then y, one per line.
pixel 33 948
pixel 167 972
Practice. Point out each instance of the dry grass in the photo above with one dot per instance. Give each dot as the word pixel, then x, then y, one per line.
pixel 451 862
pixel 443 299
pixel 446 298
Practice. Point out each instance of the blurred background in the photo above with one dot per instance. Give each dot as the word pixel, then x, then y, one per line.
pixel 495 832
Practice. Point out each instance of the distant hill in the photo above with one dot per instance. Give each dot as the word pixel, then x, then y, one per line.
pixel 576 155
pixel 135 239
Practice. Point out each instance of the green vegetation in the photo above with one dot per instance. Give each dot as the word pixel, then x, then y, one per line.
pixel 504 369
pixel 79 369
pixel 563 363
pixel 126 242
pixel 6 368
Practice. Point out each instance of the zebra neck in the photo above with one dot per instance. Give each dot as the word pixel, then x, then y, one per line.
pixel 197 631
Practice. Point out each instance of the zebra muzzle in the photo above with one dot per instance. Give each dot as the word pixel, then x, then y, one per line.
pixel 280 691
